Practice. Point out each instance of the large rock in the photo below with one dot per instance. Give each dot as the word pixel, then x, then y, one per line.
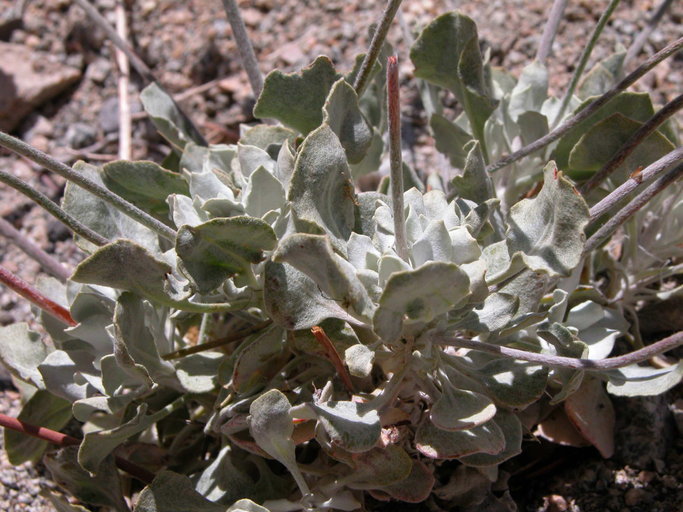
pixel 27 80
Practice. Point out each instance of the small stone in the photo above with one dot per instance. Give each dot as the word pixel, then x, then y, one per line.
pixel 555 503
pixel 252 17
pixel 109 115
pixel 80 135
pixel 635 496
pixel 646 476
pixel 99 70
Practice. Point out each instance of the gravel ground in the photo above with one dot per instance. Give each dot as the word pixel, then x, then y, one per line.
pixel 189 46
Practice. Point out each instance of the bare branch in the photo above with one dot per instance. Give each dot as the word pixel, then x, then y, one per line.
pixel 644 35
pixel 244 46
pixel 550 30
pixel 125 121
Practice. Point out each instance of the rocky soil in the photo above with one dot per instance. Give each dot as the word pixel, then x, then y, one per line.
pixel 58 91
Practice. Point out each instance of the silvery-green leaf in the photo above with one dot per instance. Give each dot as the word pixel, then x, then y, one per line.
pixel 465 247
pixel 475 183
pixel 359 360
pixel 60 503
pixel 548 229
pixel 352 426
pixel 42 409
pixel 342 113
pixel 633 105
pixel 245 505
pixel 419 296
pixel 97 445
pixel 336 277
pixel 460 69
pixel 265 136
pixel 171 492
pixel 167 118
pixel 321 190
pixel 513 383
pixel 83 409
pixel 479 217
pixel 263 193
pixel 379 467
pixel 635 380
pixel 476 271
pixel 460 409
pixel 494 314
pixel 529 287
pixel 293 300
pixel 286 159
pixel 598 144
pixel 101 217
pixel 297 99
pixel 362 252
pixel 372 159
pixel 591 412
pixel 436 443
pixel 270 424
pixel 533 126
pixel 61 372
pixel 221 248
pixel 340 333
pixel 198 373
pixel 21 351
pixel 222 482
pixel 416 488
pixel 602 76
pixel 599 327
pixel 203 166
pixel 145 184
pixel 434 245
pixel 450 140
pixel 251 158
pixel 383 228
pixel 511 427
pixel 254 365
pixel 93 311
pixel 530 91
pixel 103 489
pixel 185 210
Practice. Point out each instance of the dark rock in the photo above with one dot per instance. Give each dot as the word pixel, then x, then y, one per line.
pixel 80 135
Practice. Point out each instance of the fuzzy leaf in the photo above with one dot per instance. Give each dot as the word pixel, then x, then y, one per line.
pixel 435 443
pixel 419 296
pixel 460 69
pixel 43 409
pixel 352 426
pixel 167 118
pixel 450 140
pixel 297 99
pixel 342 113
pixel 372 159
pixel 264 136
pixel 145 184
pixel 359 359
pixel 379 467
pixel 21 351
pixel 548 229
pixel 222 482
pixel 216 250
pixel 475 183
pixel 263 193
pixel 321 190
pixel 414 489
pixel 590 410
pixel 602 76
pixel 198 373
pixel 171 492
pixel 514 383
pixel 494 314
pixel 530 91
pixel 635 380
pixel 254 367
pixel 336 277
pixel 460 409
pixel 511 427
pixel 271 427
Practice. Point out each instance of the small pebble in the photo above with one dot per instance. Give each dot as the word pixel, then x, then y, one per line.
pixel 635 496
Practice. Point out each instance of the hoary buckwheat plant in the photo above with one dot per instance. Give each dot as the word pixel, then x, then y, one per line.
pixel 250 332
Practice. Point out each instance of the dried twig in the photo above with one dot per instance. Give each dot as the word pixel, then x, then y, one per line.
pixel 632 143
pixel 125 122
pixel 550 30
pixel 643 36
pixel 590 109
pixel 333 356
pixel 49 263
pixel 216 343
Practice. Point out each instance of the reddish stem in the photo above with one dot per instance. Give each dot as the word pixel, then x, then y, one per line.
pixel 30 293
pixel 63 440
pixel 333 355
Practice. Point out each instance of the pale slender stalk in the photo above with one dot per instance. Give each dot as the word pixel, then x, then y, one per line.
pixel 585 55
pixel 125 121
pixel 143 69
pixel 23 149
pixel 610 363
pixel 632 143
pixel 53 209
pixel 244 46
pixel 631 208
pixel 642 38
pixel 396 160
pixel 49 263
pixel 63 440
pixel 550 30
pixel 33 295
pixel 590 109
pixel 652 170
pixel 177 354
pixel 375 46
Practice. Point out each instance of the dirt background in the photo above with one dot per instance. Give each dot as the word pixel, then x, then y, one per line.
pixel 58 91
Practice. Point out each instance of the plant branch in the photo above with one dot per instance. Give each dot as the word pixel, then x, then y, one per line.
pixel 590 109
pixel 216 343
pixel 395 158
pixel 585 55
pixel 63 440
pixel 33 295
pixel 550 30
pixel 333 356
pixel 244 46
pixel 636 179
pixel 49 263
pixel 610 363
pixel 643 36
pixel 23 149
pixel 375 46
pixel 631 208
pixel 632 143
pixel 125 121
